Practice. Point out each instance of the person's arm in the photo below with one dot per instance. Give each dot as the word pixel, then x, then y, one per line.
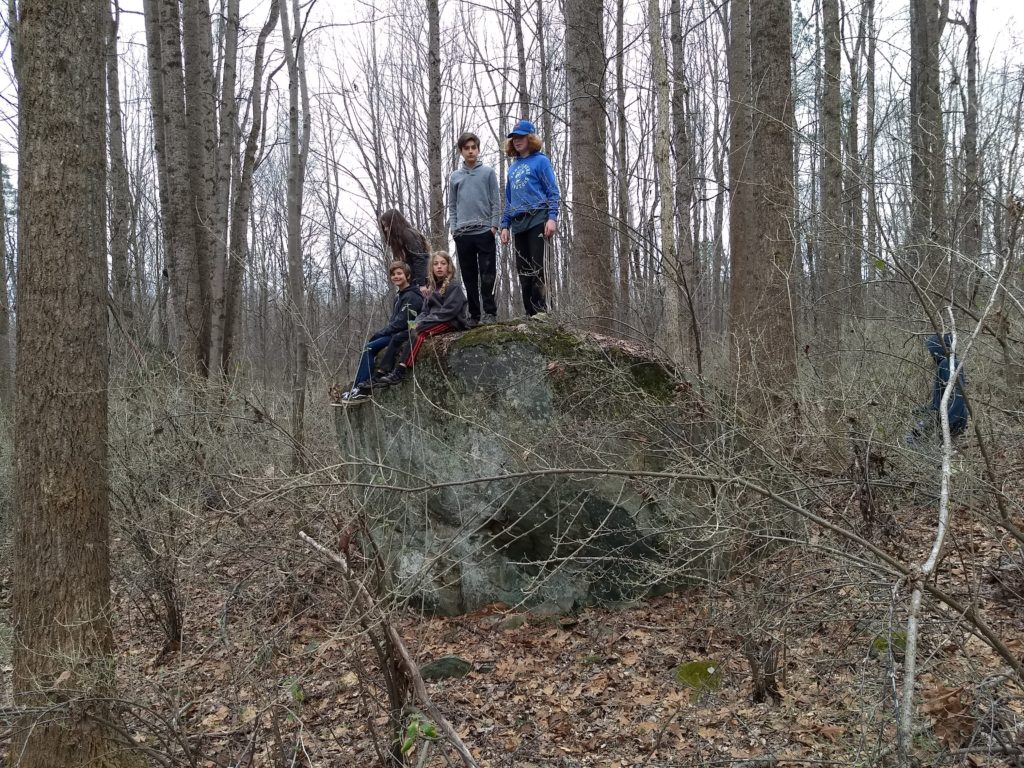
pixel 452 204
pixel 553 198
pixel 494 195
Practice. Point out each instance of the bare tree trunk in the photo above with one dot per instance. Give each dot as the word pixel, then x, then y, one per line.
pixel 775 307
pixel 592 258
pixel 164 42
pixel 623 227
pixel 830 230
pixel 63 646
pixel 298 148
pixel 869 123
pixel 522 86
pixel 119 206
pixel 238 237
pixel 743 278
pixel 438 231
pixel 854 183
pixel 929 231
pixel 970 238
pixel 222 186
pixel 200 97
pixel 673 305
pixel 5 316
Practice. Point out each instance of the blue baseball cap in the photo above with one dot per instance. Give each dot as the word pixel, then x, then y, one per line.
pixel 523 128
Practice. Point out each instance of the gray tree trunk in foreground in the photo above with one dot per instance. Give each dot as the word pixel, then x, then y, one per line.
pixel 63 646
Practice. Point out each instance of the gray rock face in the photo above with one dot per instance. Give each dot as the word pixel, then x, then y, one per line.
pixel 463 473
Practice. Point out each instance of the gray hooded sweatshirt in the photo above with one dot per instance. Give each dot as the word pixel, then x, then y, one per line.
pixel 474 202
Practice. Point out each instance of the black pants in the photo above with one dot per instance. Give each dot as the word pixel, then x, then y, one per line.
pixel 479 272
pixel 529 246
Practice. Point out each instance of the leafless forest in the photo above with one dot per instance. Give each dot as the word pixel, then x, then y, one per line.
pixel 779 201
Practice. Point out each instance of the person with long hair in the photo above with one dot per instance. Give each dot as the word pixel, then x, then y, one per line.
pixel 407 244
pixel 531 211
pixel 445 309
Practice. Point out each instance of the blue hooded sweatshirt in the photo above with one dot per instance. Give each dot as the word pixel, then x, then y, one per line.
pixel 530 187
pixel 957 407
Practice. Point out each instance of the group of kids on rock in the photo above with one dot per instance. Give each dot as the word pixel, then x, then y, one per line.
pixel 430 298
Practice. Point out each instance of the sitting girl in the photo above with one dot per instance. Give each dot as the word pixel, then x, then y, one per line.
pixel 444 309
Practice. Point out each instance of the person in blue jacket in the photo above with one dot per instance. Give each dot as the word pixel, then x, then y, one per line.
pixel 531 211
pixel 939 349
pixel 944 365
pixel 407 306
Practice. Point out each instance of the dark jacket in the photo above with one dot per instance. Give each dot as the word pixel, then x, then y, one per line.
pixel 449 308
pixel 408 304
pixel 957 408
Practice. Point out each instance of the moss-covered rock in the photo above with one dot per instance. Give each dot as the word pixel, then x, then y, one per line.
pixel 483 440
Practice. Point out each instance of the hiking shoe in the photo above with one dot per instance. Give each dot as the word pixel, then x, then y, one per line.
pixel 473 322
pixel 488 319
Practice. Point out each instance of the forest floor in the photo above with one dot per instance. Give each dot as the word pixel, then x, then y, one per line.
pixel 276 670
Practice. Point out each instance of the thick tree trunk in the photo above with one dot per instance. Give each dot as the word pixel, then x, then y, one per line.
pixel 771 328
pixel 743 279
pixel 687 269
pixel 177 205
pixel 438 231
pixel 929 231
pixel 222 185
pixel 673 303
pixel 63 647
pixel 591 253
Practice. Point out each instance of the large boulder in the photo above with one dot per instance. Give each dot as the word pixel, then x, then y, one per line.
pixel 528 464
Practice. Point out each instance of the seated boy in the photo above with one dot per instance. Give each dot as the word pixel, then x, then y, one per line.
pixel 408 304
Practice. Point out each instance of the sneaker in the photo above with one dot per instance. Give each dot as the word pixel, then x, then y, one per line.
pixel 395 377
pixel 473 322
pixel 488 320
pixel 353 394
pixel 540 316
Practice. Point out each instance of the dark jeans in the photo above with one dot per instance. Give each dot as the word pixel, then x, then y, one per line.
pixel 529 245
pixel 477 263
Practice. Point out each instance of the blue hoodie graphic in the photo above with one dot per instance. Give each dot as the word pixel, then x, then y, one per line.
pixel 530 188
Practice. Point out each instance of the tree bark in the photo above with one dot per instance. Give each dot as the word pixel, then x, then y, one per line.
pixel 591 254
pixel 742 278
pixel 120 209
pixel 438 230
pixel 298 149
pixel 522 86
pixel 830 229
pixel 222 185
pixel 770 329
pixel 239 236
pixel 624 218
pixel 673 305
pixel 63 646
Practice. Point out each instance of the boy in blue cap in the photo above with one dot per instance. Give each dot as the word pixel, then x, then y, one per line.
pixel 531 211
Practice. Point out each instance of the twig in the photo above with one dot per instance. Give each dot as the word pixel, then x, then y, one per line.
pixel 411 668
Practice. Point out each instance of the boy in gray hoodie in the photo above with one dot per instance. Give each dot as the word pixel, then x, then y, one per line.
pixel 474 208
